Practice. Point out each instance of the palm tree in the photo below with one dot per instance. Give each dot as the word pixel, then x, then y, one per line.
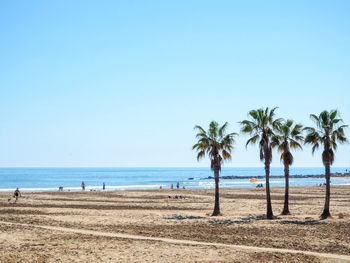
pixel 287 137
pixel 261 126
pixel 218 146
pixel 328 132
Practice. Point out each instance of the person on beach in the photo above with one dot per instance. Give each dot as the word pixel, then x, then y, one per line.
pixel 171 186
pixel 16 195
pixel 83 186
pixel 103 186
pixel 178 185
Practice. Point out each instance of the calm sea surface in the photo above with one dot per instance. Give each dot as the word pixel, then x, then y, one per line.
pixel 49 179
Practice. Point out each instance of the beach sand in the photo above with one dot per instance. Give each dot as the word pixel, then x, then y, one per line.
pixel 147 226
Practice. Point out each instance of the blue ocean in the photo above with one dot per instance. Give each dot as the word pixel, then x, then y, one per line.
pixel 49 179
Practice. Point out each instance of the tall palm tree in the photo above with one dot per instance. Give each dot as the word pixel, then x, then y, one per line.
pixel 328 132
pixel 261 126
pixel 217 144
pixel 287 137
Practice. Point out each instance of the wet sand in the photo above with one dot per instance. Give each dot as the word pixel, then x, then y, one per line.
pixel 147 226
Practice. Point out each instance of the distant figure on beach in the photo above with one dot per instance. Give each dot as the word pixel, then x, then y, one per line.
pixel 178 185
pixel 260 186
pixel 171 186
pixel 83 186
pixel 16 195
pixel 176 197
pixel 60 189
pixel 103 186
pixel 160 187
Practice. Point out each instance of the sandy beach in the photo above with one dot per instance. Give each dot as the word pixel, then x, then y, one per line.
pixel 148 226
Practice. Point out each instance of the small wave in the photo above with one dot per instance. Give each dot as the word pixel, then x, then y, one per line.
pixel 235 183
pixel 29 189
pixel 88 188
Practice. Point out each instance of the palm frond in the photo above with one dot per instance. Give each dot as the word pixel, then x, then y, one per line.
pixel 252 140
pixel 213 129
pixel 295 145
pixel 315 119
pixel 222 129
pixel 200 155
pixel 315 147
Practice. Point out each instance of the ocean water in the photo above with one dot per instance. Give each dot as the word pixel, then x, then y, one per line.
pixel 49 179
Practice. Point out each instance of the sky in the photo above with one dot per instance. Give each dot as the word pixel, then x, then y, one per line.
pixel 123 83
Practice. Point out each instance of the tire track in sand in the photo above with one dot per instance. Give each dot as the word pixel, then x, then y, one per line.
pixel 183 242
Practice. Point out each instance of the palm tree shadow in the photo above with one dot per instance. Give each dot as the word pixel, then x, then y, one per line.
pixel 238 221
pixel 302 222
pixel 180 217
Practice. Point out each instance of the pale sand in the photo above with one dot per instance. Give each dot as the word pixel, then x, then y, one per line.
pixel 145 226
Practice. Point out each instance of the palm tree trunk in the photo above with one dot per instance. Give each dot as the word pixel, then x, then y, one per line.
pixel 216 211
pixel 269 213
pixel 325 214
pixel 286 191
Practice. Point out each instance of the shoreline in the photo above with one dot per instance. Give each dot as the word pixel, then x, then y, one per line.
pixel 157 190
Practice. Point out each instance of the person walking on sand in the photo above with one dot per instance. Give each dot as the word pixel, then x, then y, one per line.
pixel 17 194
pixel 178 185
pixel 83 186
pixel 103 186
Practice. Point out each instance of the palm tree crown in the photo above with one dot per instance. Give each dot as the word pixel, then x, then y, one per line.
pixel 287 137
pixel 261 126
pixel 215 143
pixel 328 132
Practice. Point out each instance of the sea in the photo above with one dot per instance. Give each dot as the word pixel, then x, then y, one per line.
pixel 50 179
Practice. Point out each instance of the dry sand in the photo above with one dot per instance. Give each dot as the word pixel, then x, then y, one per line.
pixel 147 226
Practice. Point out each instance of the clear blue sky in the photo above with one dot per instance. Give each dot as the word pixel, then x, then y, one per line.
pixel 122 83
